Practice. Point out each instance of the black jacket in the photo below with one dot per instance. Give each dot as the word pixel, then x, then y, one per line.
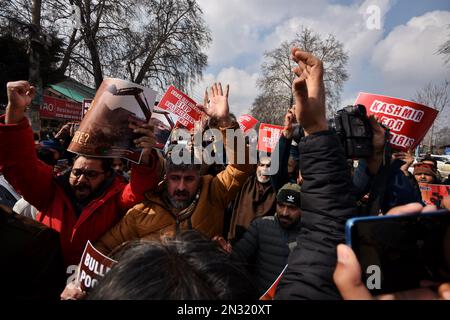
pixel 266 247
pixel 31 262
pixel 326 202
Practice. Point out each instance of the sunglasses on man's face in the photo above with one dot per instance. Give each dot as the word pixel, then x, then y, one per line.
pixel 90 174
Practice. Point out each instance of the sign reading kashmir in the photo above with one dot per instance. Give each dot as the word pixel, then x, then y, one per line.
pixel 268 137
pixel 181 105
pixel 55 108
pixel 408 121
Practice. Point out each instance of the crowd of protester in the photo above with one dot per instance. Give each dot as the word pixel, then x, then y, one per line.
pixel 189 231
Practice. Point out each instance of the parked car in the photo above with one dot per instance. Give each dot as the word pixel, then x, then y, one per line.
pixel 8 196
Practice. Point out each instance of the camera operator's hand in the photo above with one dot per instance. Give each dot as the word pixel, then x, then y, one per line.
pixel 347 275
pixel 309 92
pixel 406 157
pixel 289 119
pixel 20 95
pixel 379 140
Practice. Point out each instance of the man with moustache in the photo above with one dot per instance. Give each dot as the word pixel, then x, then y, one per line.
pixel 83 203
pixel 269 240
pixel 256 199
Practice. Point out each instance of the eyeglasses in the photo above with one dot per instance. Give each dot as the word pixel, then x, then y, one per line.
pixel 90 174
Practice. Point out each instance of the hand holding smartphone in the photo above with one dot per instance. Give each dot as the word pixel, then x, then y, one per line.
pixel 398 253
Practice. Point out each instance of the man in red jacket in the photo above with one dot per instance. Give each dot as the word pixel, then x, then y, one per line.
pixel 88 200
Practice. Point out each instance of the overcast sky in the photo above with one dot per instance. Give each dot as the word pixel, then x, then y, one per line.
pixel 395 59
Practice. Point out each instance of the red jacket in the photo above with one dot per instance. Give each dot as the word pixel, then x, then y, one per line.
pixel 35 181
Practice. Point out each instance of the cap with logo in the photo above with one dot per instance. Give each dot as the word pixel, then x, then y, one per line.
pixel 289 193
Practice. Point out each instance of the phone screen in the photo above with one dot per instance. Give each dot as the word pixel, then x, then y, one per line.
pixel 396 253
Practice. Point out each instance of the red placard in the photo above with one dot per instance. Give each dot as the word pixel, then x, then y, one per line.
pixel 409 121
pixel 60 109
pixel 246 122
pixel 93 266
pixel 85 106
pixel 434 193
pixel 268 137
pixel 181 105
pixel 270 293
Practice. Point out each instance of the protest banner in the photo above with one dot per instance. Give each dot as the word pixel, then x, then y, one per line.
pixel 54 108
pixel 105 131
pixel 93 266
pixel 270 293
pixel 408 121
pixel 181 105
pixel 434 193
pixel 85 107
pixel 268 137
pixel 246 122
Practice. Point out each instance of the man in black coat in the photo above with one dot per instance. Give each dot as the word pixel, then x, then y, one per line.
pixel 266 245
pixel 326 200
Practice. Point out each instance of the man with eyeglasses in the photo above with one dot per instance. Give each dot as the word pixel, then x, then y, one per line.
pixel 83 203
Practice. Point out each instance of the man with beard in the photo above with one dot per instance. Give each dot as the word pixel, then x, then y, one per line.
pixel 256 199
pixel 269 240
pixel 83 203
pixel 185 200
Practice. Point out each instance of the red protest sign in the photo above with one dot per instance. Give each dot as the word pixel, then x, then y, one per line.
pixel 86 105
pixel 246 122
pixel 93 266
pixel 270 293
pixel 54 108
pixel 181 105
pixel 409 121
pixel 434 193
pixel 268 137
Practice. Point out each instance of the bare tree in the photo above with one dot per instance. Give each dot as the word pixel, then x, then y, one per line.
pixel 270 108
pixel 155 42
pixel 277 75
pixel 436 96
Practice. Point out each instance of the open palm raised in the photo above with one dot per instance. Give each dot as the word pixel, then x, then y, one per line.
pixel 216 103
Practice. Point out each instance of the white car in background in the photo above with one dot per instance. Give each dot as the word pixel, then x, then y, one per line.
pixel 443 164
pixel 8 196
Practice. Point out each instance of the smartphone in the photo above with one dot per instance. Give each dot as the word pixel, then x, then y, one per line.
pixel 397 253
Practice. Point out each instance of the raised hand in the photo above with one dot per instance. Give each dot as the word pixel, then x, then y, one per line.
pixel 216 104
pixel 20 95
pixel 289 119
pixel 147 141
pixel 407 157
pixel 309 92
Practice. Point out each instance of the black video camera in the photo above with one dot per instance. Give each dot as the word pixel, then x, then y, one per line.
pixel 354 130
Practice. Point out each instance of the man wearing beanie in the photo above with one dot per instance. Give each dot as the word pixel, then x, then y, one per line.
pixel 269 240
pixel 424 173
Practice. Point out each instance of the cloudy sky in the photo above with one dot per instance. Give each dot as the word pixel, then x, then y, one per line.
pixel 394 57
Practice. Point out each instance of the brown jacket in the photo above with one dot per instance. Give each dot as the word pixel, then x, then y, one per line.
pixel 152 219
